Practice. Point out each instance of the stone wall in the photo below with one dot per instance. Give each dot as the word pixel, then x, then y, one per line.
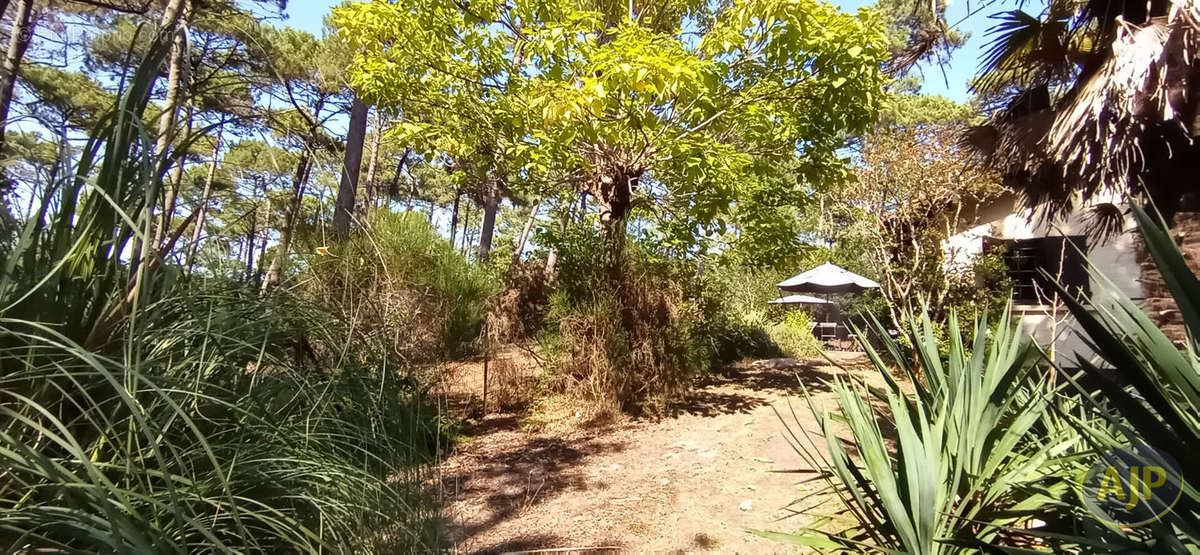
pixel 1160 306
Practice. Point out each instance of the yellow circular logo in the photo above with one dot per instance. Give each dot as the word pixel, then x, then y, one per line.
pixel 1131 486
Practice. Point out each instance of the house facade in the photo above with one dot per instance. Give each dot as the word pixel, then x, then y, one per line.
pixel 1030 245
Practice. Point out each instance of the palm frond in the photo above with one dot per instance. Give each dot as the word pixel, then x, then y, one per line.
pixel 1023 49
pixel 1117 120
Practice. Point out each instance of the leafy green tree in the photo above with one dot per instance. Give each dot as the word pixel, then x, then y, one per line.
pixel 259 175
pixel 626 102
pixel 917 32
pixel 910 188
pixel 29 158
pixel 210 75
pixel 63 98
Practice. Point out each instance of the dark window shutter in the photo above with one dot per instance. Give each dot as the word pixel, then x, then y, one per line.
pixel 1026 259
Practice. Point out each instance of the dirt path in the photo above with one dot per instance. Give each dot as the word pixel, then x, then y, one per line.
pixel 695 482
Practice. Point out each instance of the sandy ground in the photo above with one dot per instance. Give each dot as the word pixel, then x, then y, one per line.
pixel 695 482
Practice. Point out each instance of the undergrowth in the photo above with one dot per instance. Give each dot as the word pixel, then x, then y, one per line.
pixel 144 411
pixel 632 344
pixel 794 335
pixel 404 288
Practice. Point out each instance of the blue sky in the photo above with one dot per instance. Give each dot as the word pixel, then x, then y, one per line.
pixel 308 14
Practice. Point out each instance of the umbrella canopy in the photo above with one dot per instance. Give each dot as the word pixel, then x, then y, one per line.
pixel 827 278
pixel 798 299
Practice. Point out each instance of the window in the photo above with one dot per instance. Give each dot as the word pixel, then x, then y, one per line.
pixel 1058 256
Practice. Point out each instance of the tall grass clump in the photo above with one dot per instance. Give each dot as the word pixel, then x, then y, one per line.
pixel 208 429
pixel 406 289
pixel 143 412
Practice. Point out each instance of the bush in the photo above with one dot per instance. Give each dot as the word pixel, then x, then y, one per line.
pixel 794 336
pixel 1151 400
pixel 215 425
pixel 732 327
pixel 629 348
pixel 633 343
pixel 516 314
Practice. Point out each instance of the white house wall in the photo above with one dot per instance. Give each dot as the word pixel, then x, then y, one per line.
pixel 1117 258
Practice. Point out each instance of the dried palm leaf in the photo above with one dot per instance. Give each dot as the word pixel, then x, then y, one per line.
pixel 1125 124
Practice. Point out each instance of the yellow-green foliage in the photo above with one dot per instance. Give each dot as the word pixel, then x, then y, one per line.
pixel 794 335
pixel 587 89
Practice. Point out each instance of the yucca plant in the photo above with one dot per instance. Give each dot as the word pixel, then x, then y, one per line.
pixel 1150 394
pixel 966 460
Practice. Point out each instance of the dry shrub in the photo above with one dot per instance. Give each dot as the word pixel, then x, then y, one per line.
pixel 631 340
pixel 585 369
pixel 390 313
pixel 512 381
pixel 627 351
pixel 516 314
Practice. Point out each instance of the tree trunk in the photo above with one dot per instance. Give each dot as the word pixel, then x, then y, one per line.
pixel 552 257
pixel 175 15
pixel 24 22
pixel 453 216
pixel 204 200
pixel 394 187
pixel 370 190
pixel 262 251
pixel 614 201
pixel 289 222
pixel 520 248
pixel 551 263
pixel 171 193
pixel 352 165
pixel 466 221
pixel 251 243
pixel 491 205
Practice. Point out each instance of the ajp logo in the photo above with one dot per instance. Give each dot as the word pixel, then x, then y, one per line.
pixel 1131 486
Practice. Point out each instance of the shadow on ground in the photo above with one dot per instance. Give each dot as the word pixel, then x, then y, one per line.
pixel 753 382
pixel 506 472
pixel 541 542
pixel 518 474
